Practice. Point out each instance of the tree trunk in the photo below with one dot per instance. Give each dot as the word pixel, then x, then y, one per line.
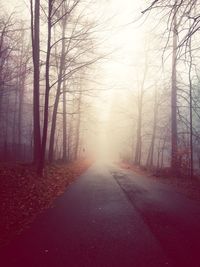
pixel 47 90
pixel 150 158
pixel 139 138
pixel 78 127
pixel 191 111
pixel 21 102
pixel 138 151
pixel 35 32
pixel 174 142
pixel 14 126
pixel 64 125
pixel 56 103
pixel 20 112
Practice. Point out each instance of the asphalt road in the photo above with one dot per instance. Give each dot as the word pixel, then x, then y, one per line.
pixel 111 217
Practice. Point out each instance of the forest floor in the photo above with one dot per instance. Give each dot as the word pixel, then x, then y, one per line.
pixel 23 195
pixel 187 186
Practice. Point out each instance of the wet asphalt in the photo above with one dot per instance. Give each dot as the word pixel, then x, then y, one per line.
pixel 111 217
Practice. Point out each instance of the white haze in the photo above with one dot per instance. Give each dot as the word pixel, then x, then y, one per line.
pixel 111 126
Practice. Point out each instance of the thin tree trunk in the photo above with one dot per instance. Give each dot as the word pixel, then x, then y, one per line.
pixel 56 103
pixel 174 137
pixel 162 151
pixel 139 138
pixel 138 151
pixel 20 112
pixel 47 90
pixel 64 124
pixel 20 107
pixel 14 127
pixel 78 127
pixel 35 33
pixel 150 158
pixel 191 113
pixel 6 134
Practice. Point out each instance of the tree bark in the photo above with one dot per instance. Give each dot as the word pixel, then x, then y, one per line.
pixel 138 151
pixel 64 125
pixel 35 33
pixel 139 138
pixel 56 103
pixel 78 127
pixel 47 90
pixel 174 137
pixel 191 111
pixel 150 158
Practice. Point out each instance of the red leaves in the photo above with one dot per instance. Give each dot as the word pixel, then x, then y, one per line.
pixel 23 194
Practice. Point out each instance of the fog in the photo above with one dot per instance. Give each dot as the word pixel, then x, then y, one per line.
pixel 118 79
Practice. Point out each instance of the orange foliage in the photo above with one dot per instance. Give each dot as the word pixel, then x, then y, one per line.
pixel 23 194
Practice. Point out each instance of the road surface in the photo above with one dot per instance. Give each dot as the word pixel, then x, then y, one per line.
pixel 111 217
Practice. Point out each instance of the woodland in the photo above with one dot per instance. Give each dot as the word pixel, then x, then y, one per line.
pixel 82 81
pixel 45 90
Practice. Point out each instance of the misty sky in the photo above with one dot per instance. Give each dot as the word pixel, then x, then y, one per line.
pixel 124 40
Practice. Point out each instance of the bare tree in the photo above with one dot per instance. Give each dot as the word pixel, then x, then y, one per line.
pixel 150 157
pixel 35 35
pixel 174 137
pixel 138 151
